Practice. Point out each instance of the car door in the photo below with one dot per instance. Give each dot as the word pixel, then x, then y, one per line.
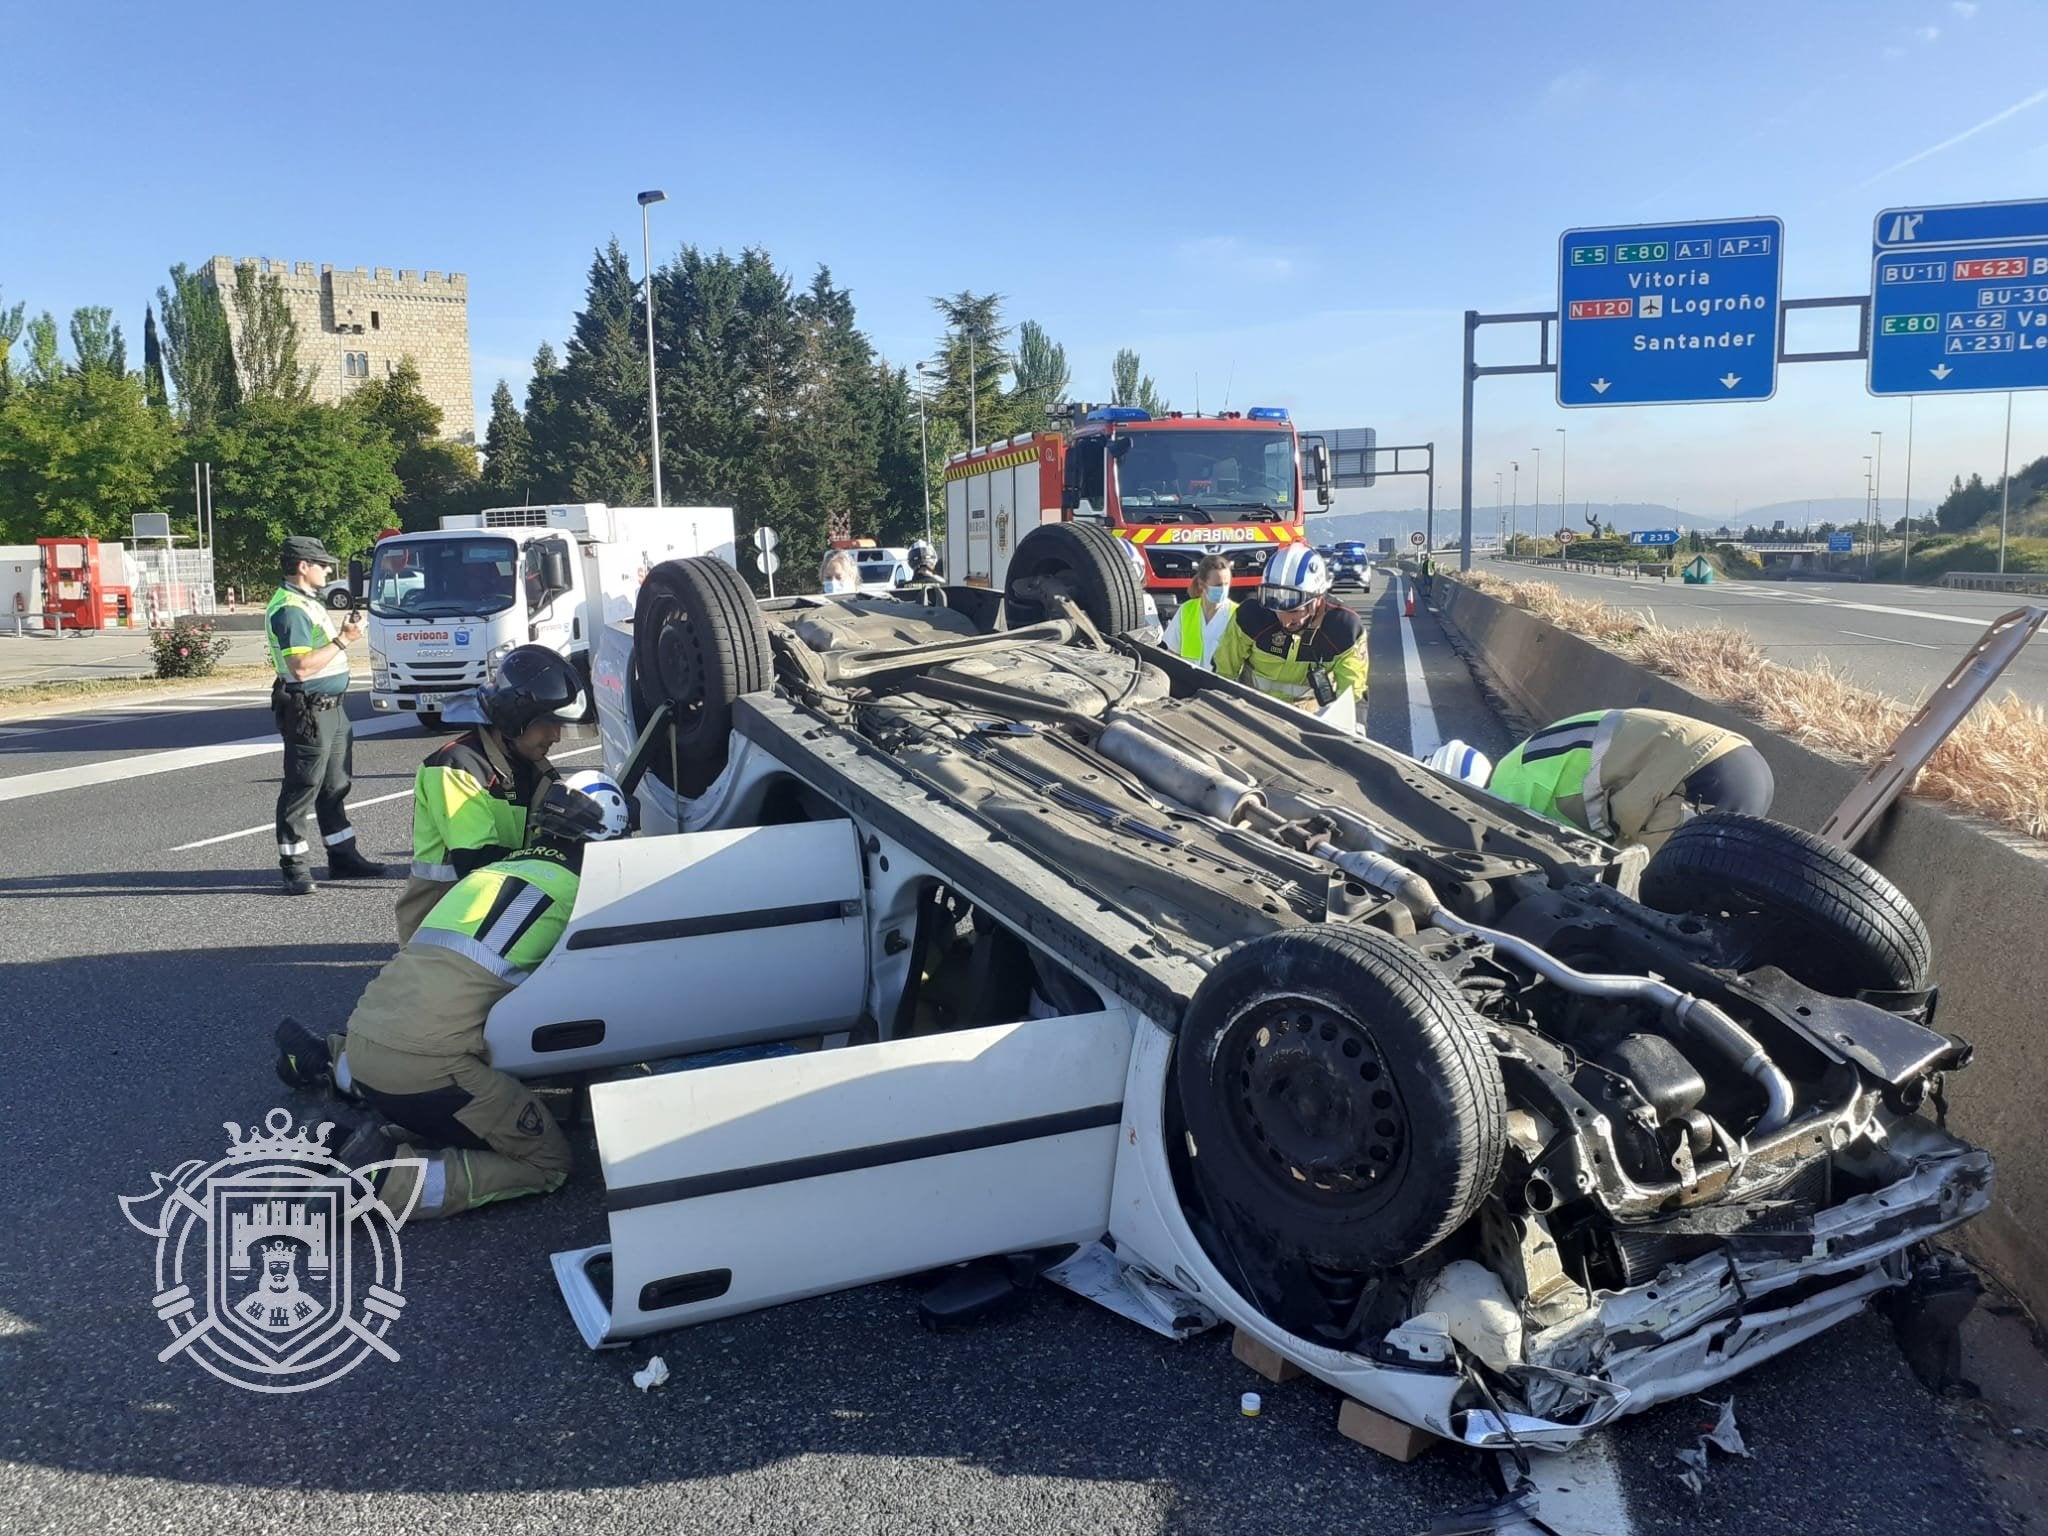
pixel 741 1186
pixel 695 941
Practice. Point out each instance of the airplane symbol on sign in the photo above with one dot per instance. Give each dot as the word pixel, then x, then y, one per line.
pixel 1905 226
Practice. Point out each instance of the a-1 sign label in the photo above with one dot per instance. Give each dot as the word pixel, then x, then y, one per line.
pixel 1669 314
pixel 1959 299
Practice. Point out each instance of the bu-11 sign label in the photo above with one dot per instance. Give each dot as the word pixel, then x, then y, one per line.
pixel 1669 314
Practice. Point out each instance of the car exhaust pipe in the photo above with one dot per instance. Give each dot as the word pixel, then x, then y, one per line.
pixel 1706 1021
pixel 1178 774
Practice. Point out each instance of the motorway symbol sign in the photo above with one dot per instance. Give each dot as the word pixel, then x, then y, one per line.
pixel 1959 299
pixel 1669 314
pixel 1841 543
pixel 1654 536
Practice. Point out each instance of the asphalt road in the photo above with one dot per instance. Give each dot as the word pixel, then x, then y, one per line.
pixel 139 981
pixel 1895 639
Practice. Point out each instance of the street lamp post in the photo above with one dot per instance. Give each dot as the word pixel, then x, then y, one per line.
pixel 648 199
pixel 924 454
pixel 1498 506
pixel 1563 502
pixel 1536 511
pixel 1877 505
pixel 1515 499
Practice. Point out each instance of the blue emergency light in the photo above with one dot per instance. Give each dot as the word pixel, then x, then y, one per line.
pixel 1266 413
pixel 1117 413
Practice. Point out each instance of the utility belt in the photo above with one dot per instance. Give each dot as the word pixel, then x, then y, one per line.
pixel 297 711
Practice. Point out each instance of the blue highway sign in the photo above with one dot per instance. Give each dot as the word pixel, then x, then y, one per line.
pixel 1959 299
pixel 1654 536
pixel 1841 543
pixel 1669 314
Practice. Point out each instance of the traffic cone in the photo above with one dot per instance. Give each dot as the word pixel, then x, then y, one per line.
pixel 1408 609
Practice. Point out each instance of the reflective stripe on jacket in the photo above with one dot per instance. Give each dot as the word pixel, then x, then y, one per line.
pixel 470 801
pixel 323 631
pixel 505 917
pixel 1256 649
pixel 1615 773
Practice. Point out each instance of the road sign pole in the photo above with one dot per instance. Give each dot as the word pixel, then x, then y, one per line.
pixel 1465 454
pixel 2005 483
pixel 1906 561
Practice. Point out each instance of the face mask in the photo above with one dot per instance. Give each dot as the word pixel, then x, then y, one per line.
pixel 835 584
pixel 1218 594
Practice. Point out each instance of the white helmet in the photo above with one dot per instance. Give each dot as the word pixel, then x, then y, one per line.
pixel 1294 576
pixel 611 800
pixel 1462 762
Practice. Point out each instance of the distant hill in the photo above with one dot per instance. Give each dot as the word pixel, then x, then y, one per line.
pixel 1626 516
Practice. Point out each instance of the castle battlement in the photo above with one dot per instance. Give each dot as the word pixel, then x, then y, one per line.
pixel 358 323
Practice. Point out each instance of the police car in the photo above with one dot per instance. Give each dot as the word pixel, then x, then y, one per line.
pixel 1493 1127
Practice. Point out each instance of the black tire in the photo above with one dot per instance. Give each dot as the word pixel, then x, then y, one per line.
pixel 341 602
pixel 1817 912
pixel 1085 561
pixel 429 719
pixel 700 644
pixel 1341 1100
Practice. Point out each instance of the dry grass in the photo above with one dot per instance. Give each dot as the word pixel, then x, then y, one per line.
pixel 1995 763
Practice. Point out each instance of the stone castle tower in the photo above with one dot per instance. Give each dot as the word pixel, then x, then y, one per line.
pixel 355 325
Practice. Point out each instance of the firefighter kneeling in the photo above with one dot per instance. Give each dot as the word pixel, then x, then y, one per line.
pixel 416 1039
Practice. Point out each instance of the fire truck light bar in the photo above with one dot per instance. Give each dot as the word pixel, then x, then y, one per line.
pixel 1117 413
pixel 1266 413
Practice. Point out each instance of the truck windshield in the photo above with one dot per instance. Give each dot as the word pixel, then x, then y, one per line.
pixel 443 578
pixel 1187 475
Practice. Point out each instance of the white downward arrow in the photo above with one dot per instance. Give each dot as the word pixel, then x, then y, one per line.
pixel 1942 372
pixel 1730 380
pixel 1601 386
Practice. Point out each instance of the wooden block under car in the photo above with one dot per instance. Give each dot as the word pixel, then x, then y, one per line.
pixel 1266 1362
pixel 1373 1429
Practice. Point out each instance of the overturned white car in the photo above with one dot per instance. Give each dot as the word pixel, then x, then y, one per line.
pixel 1484 1123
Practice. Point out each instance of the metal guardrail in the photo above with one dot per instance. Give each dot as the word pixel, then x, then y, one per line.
pixel 1618 569
pixel 58 627
pixel 1987 581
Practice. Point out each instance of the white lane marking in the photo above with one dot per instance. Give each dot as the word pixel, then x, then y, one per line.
pixel 1423 738
pixel 229 837
pixel 1578 1492
pixel 51 780
pixel 1892 640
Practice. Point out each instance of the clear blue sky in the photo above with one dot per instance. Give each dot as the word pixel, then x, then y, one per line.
pixel 1294 202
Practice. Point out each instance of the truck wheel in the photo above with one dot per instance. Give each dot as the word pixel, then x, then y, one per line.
pixel 1816 911
pixel 1085 562
pixel 699 642
pixel 1341 1101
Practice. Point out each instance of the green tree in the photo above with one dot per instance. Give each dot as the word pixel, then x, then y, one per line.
pixel 154 390
pixel 1042 376
pixel 10 333
pixel 543 407
pixel 975 338
pixel 45 359
pixel 80 452
pixel 508 450
pixel 281 468
pixel 436 477
pixel 198 351
pixel 590 440
pixel 267 340
pixel 1128 386
pixel 96 342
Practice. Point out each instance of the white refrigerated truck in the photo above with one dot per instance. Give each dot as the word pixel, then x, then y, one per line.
pixel 446 603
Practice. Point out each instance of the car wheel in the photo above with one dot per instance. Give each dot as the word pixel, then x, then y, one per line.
pixel 340 602
pixel 1340 1099
pixel 700 643
pixel 1085 562
pixel 1816 911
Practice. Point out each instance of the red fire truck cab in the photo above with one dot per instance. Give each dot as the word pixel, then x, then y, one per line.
pixel 1177 486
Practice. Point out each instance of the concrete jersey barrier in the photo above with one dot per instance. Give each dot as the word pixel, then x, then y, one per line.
pixel 1982 890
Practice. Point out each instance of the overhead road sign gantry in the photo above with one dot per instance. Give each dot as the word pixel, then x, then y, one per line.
pixel 1959 299
pixel 1669 314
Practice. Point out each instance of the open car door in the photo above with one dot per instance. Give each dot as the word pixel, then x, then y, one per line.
pixel 695 941
pixel 735 1187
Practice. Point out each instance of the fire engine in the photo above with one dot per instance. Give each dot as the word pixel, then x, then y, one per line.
pixel 1177 487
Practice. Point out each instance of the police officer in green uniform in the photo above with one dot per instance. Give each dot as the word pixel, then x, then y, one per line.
pixel 309 652
pixel 1634 776
pixel 470 798
pixel 1291 641
pixel 415 1042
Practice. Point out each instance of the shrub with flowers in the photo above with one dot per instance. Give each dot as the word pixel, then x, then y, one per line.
pixel 188 648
